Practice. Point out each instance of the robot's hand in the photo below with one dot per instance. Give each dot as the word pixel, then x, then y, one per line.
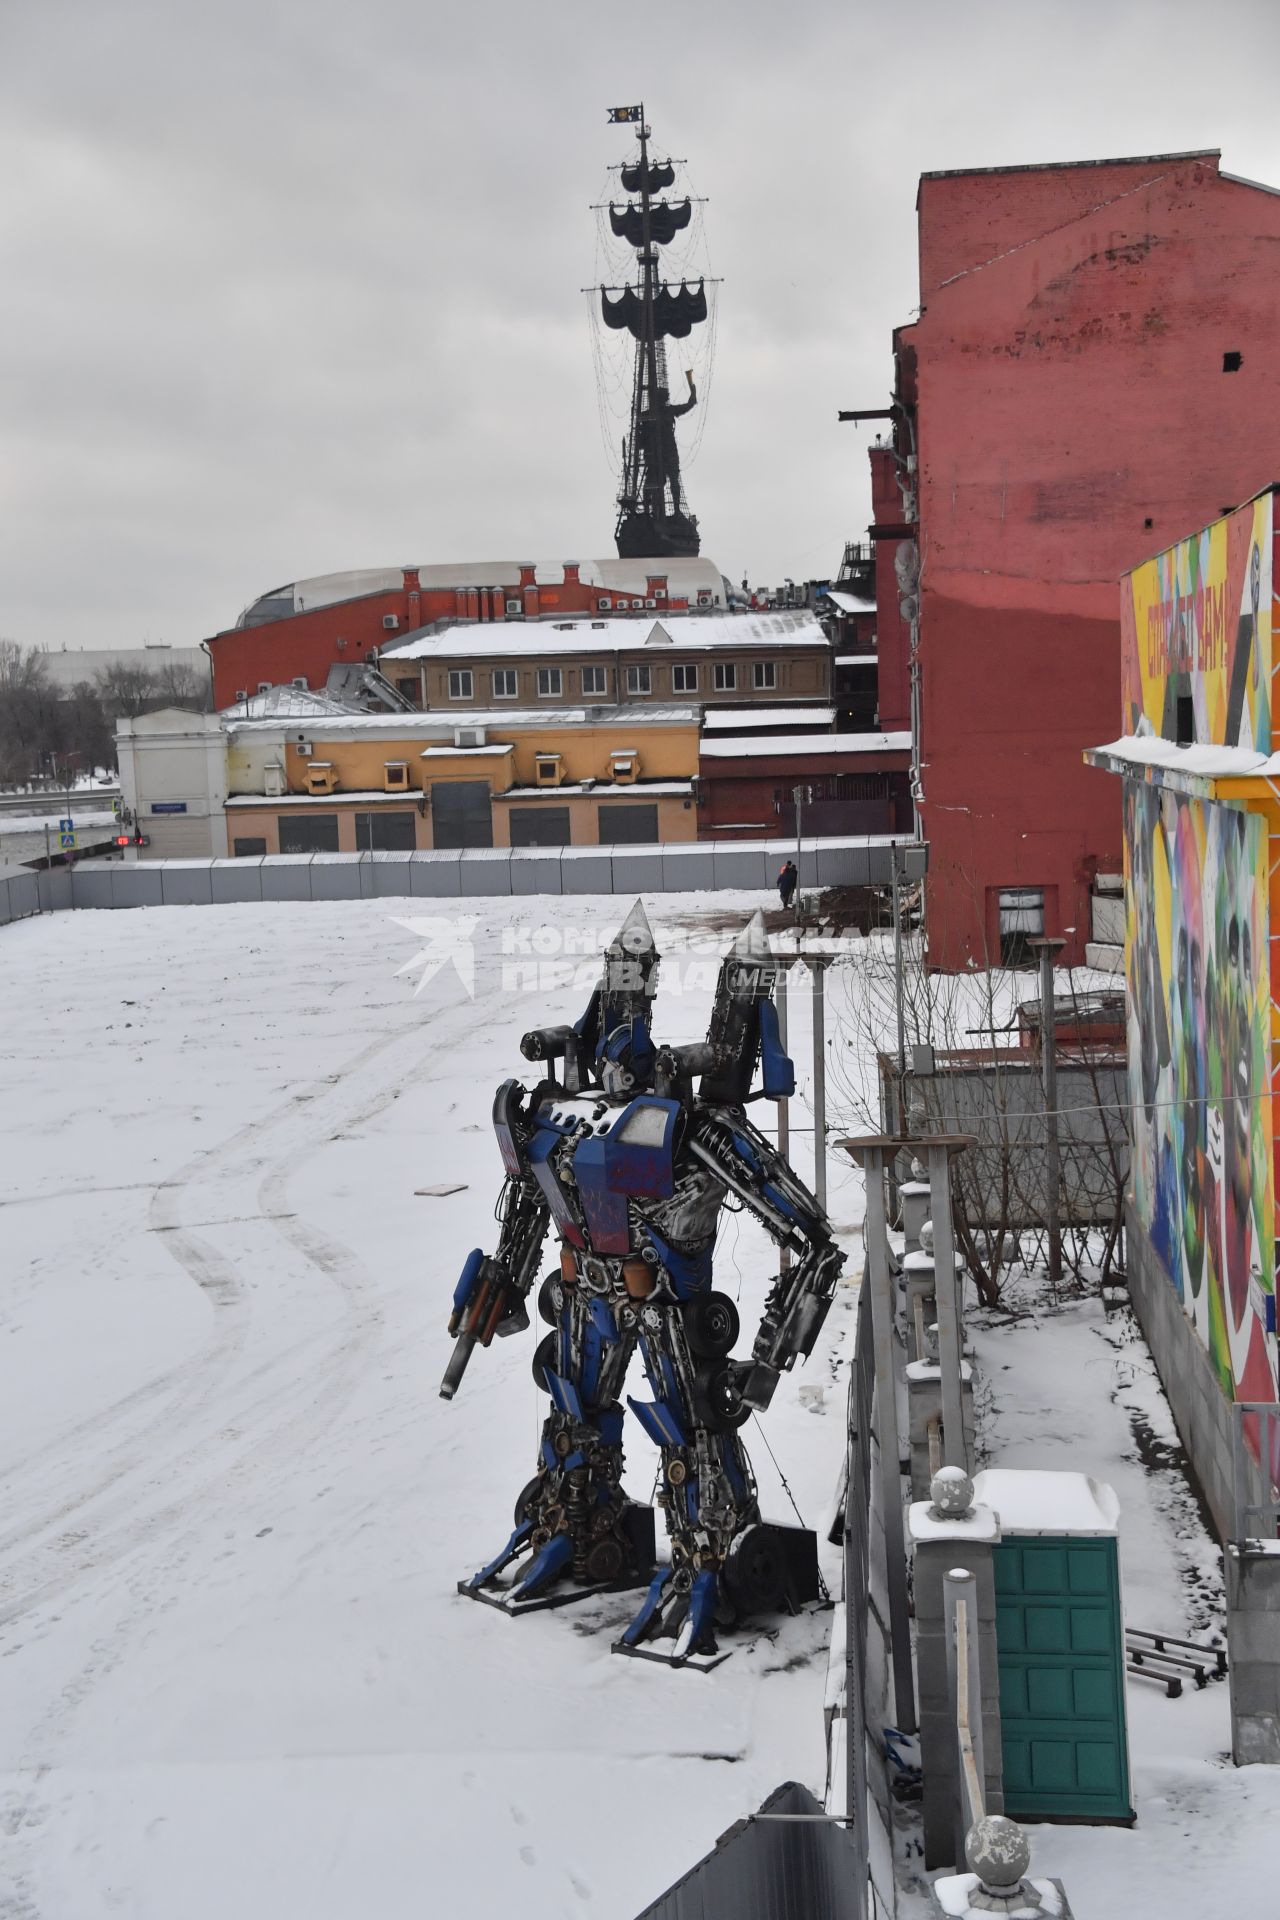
pixel 486 1301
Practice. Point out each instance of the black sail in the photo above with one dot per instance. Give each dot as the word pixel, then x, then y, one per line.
pixel 667 218
pixel 651 176
pixel 674 314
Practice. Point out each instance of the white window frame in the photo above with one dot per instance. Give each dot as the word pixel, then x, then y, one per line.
pixel 639 677
pixel 600 673
pixel 554 687
pixel 461 683
pixel 764 676
pixel 725 676
pixel 684 678
pixel 504 674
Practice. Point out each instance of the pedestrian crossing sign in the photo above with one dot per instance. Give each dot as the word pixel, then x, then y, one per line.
pixel 68 840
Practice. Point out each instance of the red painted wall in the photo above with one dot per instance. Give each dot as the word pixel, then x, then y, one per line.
pixel 1068 393
pixel 751 798
pixel 306 645
pixel 893 637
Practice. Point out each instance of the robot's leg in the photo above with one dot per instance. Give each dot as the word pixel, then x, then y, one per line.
pixel 573 1520
pixel 708 1495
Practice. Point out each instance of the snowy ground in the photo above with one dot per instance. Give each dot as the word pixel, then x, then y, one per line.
pixel 236 1676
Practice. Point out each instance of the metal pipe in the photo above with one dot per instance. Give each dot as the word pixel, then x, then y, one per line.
pixel 880 1279
pixel 784 1106
pixel 946 1289
pixel 819 1083
pixel 898 989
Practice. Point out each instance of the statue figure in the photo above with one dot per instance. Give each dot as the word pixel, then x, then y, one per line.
pixel 631 1166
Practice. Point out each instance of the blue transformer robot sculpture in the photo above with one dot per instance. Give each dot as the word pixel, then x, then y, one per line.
pixel 631 1166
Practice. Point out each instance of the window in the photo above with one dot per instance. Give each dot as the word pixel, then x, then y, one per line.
pixel 461 814
pixel 506 683
pixel 1021 917
pixel 764 675
pixel 308 832
pixel 684 679
pixel 593 680
pixel 460 683
pixel 387 831
pixel 395 774
pixel 1186 720
pixel 411 690
pixel 248 849
pixel 546 769
pixel 539 826
pixel 1232 362
pixel 725 676
pixel 550 680
pixel 638 679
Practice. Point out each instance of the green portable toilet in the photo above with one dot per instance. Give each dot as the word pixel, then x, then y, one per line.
pixel 1060 1646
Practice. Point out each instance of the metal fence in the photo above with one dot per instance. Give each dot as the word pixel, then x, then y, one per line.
pixel 997 1096
pixel 787 1862
pixel 468 873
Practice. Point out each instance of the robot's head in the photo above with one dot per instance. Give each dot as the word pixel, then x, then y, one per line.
pixel 616 1024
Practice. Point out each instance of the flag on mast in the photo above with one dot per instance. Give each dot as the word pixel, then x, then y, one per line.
pixel 618 116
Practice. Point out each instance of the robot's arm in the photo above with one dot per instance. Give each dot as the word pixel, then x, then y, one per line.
pixel 490 1295
pixel 750 1166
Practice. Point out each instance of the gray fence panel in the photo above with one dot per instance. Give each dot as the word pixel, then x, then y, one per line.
pixel 843 866
pixel 19 893
pixel 184 884
pixel 485 871
pixel 770 1867
pixel 587 871
pixel 138 886
pixel 744 864
pixel 688 869
pixel 535 870
pixel 91 887
pixel 286 876
pixel 636 871
pixel 55 889
pixel 437 875
pixel 235 880
pixel 335 876
pixel 391 875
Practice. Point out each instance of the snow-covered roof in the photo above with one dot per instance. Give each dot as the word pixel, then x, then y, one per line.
pixel 794 627
pixel 286 703
pixel 850 602
pixel 495 747
pixel 847 745
pixel 857 659
pixel 685 579
pixel 1034 1501
pixel 1208 762
pixel 438 723
pixel 726 720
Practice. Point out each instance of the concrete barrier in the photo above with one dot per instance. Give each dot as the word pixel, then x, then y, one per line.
pixel 336 876
pixel 235 880
pixel 185 883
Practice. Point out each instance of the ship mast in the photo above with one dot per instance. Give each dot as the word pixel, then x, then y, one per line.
pixel 652 515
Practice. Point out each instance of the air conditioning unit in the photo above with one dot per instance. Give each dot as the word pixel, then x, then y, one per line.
pixel 300 680
pixel 468 736
pixel 605 603
pixel 390 622
pixel 514 609
pixel 242 693
pixel 304 747
pixel 264 686
pixel 651 603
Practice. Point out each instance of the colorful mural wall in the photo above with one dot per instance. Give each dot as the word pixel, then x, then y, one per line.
pixel 1196 624
pixel 1199 1068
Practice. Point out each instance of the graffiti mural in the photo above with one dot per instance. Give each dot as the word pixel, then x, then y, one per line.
pixel 1196 626
pixel 1199 1034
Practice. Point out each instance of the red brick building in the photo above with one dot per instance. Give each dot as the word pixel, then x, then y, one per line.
pixel 296 633
pixel 1091 377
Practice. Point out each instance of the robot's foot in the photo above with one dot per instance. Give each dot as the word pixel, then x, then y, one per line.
pixel 675 1625
pixel 526 1577
pixel 767 1570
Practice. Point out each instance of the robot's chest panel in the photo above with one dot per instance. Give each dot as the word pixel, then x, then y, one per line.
pixel 610 1157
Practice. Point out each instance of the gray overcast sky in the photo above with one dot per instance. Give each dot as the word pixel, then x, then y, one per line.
pixel 290 286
